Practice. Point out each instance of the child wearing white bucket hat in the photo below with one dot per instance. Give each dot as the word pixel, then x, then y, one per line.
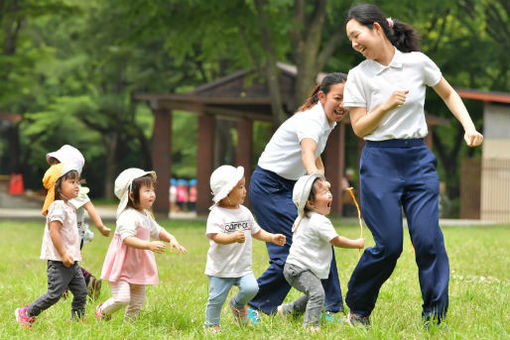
pixel 230 228
pixel 70 155
pixel 130 263
pixel 310 253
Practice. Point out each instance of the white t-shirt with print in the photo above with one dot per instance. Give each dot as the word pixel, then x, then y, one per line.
pixel 282 154
pixel 311 247
pixel 65 214
pixel 370 84
pixel 230 260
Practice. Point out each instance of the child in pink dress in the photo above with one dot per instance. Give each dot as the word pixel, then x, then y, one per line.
pixel 130 263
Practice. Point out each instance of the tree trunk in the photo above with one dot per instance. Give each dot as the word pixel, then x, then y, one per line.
pixel 110 143
pixel 271 69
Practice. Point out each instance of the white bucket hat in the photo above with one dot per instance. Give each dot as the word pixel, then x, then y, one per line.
pixel 69 155
pixel 223 180
pixel 300 195
pixel 123 185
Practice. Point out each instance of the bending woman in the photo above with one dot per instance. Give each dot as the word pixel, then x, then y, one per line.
pixel 293 151
pixel 385 95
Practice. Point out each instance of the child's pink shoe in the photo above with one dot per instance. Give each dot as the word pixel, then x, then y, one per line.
pixel 23 319
pixel 100 315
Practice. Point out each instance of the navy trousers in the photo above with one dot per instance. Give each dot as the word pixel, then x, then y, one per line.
pixel 271 200
pixel 396 174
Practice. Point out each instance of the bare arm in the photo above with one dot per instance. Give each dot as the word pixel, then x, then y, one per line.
pixel 263 235
pixel 308 147
pixel 91 210
pixel 174 244
pixel 55 227
pixel 343 242
pixel 223 238
pixel 458 109
pixel 364 124
pixel 135 242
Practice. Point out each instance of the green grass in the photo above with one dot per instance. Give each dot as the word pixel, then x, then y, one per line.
pixel 479 291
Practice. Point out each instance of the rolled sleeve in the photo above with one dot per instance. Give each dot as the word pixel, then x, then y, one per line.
pixel 353 91
pixel 56 212
pixel 432 73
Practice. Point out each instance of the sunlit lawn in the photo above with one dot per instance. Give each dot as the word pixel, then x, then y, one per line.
pixel 479 290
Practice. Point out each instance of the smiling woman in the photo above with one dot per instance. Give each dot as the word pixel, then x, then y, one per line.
pixel 385 96
pixel 294 150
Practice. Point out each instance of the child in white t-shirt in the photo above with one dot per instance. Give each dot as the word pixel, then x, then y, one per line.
pixel 230 228
pixel 310 253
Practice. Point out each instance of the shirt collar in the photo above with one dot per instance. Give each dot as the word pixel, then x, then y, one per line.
pixel 324 120
pixel 396 62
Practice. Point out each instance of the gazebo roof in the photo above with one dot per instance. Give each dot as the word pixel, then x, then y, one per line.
pixel 241 94
pixel 485 96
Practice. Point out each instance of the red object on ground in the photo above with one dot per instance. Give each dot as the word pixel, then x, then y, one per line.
pixel 16 185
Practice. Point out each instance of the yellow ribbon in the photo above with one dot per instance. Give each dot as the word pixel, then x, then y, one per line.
pixel 50 178
pixel 359 218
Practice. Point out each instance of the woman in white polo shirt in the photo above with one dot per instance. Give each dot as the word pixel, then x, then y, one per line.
pixel 385 96
pixel 293 151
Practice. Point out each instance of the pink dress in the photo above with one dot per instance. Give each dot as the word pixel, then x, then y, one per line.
pixel 132 265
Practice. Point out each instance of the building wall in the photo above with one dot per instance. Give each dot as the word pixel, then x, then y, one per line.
pixel 495 186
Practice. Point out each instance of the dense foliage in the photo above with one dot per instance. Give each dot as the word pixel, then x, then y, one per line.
pixel 70 69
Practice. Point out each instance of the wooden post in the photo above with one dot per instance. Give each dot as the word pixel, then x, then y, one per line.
pixel 205 159
pixel 161 158
pixel 334 166
pixel 244 150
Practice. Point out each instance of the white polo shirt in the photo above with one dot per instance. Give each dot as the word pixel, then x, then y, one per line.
pixel 282 154
pixel 370 84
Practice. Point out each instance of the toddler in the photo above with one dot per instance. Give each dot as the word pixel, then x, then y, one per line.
pixel 60 246
pixel 230 227
pixel 310 253
pixel 130 264
pixel 70 155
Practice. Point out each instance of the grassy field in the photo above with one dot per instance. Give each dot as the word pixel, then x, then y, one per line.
pixel 479 291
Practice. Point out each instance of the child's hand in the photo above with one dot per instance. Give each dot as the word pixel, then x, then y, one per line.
pixel 175 245
pixel 238 236
pixel 67 259
pixel 361 243
pixel 157 246
pixel 278 239
pixel 105 231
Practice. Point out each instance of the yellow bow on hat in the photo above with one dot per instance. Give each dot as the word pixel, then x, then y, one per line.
pixel 50 178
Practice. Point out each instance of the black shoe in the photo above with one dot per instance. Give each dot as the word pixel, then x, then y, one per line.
pixel 358 320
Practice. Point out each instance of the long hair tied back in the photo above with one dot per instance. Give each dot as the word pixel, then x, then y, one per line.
pixel 324 86
pixel 403 36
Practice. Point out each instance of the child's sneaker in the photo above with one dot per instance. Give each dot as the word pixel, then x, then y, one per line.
pixel 94 287
pixel 330 317
pixel 356 320
pixel 214 329
pixel 240 314
pixel 23 319
pixel 253 315
pixel 100 315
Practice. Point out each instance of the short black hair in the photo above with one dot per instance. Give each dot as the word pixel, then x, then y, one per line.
pixel 137 183
pixel 73 174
